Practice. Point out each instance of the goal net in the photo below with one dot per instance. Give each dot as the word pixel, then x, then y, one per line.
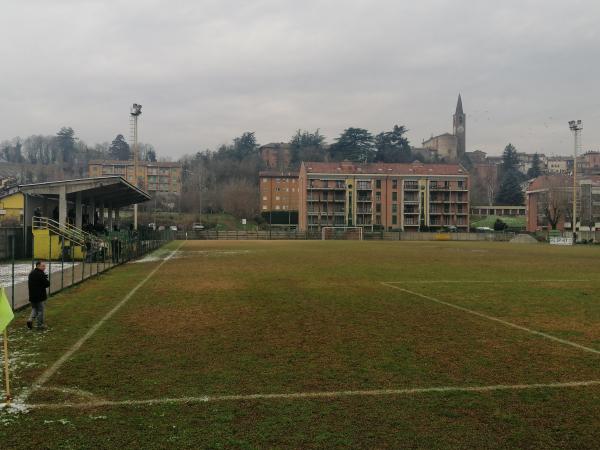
pixel 342 233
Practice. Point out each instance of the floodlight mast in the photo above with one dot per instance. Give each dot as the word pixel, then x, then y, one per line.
pixel 135 112
pixel 576 126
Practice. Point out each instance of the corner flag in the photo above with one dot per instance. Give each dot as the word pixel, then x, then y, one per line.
pixel 6 312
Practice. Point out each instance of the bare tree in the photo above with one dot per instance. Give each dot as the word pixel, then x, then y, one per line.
pixel 239 198
pixel 555 202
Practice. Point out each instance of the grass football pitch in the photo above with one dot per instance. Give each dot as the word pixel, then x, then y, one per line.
pixel 325 344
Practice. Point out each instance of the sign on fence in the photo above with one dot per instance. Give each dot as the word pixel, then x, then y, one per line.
pixel 559 240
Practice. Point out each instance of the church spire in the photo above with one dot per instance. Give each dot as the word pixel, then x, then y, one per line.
pixel 460 123
pixel 459 108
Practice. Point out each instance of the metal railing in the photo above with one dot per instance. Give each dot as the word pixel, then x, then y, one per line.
pixel 66 231
pixel 66 265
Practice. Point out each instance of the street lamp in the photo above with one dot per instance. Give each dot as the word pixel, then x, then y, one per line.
pixel 576 126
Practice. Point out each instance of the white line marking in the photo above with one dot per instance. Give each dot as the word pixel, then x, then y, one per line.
pixel 309 395
pixel 496 319
pixel 483 281
pixel 50 371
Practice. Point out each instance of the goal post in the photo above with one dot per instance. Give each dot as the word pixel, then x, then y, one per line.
pixel 342 233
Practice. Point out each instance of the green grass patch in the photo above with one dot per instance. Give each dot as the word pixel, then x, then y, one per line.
pixel 227 317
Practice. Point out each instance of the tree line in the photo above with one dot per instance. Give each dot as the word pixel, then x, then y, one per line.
pixel 68 154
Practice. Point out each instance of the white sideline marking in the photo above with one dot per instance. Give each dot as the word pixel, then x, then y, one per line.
pixel 304 395
pixel 496 319
pixel 50 371
pixel 483 281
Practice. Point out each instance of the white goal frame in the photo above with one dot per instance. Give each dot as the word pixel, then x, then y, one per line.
pixel 324 231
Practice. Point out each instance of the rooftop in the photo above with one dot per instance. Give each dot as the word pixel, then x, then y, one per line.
pixel 110 189
pixel 112 162
pixel 278 174
pixel 415 168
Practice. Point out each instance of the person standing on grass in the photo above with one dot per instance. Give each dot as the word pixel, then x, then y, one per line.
pixel 37 283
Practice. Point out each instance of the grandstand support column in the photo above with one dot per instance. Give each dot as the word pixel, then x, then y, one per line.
pixel 91 212
pixel 101 213
pixel 78 211
pixel 62 206
pixel 110 218
pixel 117 220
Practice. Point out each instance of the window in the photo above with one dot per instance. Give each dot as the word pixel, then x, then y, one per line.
pixel 277 197
pixel 394 196
pixel 395 183
pixel 377 196
pixel 394 208
pixel 378 207
pixel 264 207
pixel 264 197
pixel 394 220
pixel 378 184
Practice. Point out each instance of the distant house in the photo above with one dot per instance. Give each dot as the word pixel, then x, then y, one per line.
pixel 549 198
pixel 276 156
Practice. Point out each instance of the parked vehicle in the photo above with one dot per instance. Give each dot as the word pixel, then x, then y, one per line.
pixel 173 228
pixel 197 226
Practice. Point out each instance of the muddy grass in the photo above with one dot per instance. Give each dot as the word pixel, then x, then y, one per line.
pixel 275 317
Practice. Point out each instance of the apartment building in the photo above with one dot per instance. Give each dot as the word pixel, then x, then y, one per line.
pixel 279 195
pixel 161 177
pixel 381 196
pixel 559 165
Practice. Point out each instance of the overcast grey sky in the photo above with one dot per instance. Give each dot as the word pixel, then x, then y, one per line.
pixel 207 70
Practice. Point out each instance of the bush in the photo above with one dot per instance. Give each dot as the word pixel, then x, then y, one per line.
pixel 499 225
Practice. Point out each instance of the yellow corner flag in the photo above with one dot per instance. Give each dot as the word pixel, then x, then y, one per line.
pixel 6 312
pixel 6 316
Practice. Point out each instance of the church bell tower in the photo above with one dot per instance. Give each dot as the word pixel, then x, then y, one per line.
pixel 459 125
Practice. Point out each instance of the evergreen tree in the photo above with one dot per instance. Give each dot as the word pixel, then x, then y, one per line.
pixel 510 192
pixel 151 155
pixel 65 144
pixel 510 160
pixel 354 144
pixel 535 169
pixel 119 149
pixel 245 145
pixel 307 146
pixel 393 146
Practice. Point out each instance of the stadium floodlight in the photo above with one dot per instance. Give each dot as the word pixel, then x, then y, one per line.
pixel 576 126
pixel 136 110
pixel 134 113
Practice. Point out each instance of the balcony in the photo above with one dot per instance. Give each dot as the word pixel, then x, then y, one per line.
pixel 439 187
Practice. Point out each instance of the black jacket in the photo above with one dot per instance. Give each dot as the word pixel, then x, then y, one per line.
pixel 38 282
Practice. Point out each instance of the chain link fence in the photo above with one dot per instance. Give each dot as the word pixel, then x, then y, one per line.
pixel 68 265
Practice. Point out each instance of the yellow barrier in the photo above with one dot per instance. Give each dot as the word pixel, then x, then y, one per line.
pixel 41 246
pixel 443 237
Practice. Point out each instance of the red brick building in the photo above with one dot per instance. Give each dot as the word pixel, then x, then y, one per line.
pixel 383 196
pixel 549 202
